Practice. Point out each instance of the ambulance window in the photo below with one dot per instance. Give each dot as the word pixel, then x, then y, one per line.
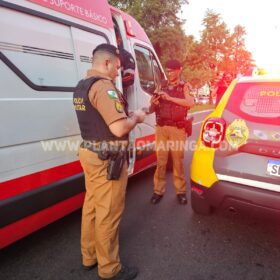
pixel 145 67
pixel 46 55
pixel 84 43
pixel 45 52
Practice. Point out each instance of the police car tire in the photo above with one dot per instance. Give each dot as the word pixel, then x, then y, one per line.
pixel 200 205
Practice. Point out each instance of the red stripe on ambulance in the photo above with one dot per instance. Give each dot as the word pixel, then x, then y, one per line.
pixel 36 180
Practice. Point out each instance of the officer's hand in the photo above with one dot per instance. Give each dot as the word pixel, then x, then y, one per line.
pixel 155 99
pixel 139 115
pixel 164 95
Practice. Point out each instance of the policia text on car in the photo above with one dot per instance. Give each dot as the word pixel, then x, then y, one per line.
pixel 170 105
pixel 104 125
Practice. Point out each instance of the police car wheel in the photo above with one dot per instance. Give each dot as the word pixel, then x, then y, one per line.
pixel 200 205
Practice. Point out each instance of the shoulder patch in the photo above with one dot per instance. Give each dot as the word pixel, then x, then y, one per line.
pixel 112 94
pixel 119 106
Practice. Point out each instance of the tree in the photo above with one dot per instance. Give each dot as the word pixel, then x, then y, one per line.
pixel 161 23
pixel 214 39
pixel 217 51
pixel 196 69
pixel 152 14
pixel 240 59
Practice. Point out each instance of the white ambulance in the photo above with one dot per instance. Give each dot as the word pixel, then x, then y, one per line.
pixel 45 49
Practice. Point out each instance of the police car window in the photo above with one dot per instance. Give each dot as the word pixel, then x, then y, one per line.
pixel 145 69
pixel 256 101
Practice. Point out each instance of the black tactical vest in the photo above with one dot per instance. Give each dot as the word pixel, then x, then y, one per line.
pixel 92 125
pixel 169 113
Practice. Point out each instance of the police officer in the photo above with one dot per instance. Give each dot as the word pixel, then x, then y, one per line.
pixel 103 119
pixel 171 105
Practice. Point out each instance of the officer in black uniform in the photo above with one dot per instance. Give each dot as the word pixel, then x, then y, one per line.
pixel 170 105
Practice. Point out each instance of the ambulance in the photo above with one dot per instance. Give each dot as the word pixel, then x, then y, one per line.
pixel 45 49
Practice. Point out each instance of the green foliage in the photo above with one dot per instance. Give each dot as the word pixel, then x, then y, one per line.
pixel 217 51
pixel 161 23
pixel 152 14
pixel 174 47
pixel 240 58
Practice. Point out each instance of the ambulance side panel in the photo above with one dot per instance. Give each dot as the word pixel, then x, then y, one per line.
pixel 44 53
pixel 42 59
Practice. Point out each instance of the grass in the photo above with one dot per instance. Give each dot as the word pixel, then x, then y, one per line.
pixel 198 108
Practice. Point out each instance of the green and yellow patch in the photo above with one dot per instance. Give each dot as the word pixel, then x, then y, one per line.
pixel 112 94
pixel 119 106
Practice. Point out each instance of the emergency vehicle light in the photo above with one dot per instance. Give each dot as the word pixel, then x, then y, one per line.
pixel 128 28
pixel 271 71
pixel 197 190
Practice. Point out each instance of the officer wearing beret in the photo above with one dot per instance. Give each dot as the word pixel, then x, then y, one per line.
pixel 104 124
pixel 170 105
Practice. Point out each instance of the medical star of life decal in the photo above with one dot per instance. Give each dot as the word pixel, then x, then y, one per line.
pixel 237 133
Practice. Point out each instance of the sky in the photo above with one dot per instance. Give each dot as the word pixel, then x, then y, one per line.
pixel 261 20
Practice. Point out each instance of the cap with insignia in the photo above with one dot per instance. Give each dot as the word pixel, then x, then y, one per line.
pixel 107 48
pixel 173 64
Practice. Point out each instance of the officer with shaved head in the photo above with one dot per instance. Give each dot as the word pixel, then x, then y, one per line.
pixel 104 124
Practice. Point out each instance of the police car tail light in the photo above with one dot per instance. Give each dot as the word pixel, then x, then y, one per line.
pixel 213 132
pixel 197 190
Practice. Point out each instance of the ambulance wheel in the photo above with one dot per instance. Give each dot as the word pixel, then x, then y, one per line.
pixel 200 205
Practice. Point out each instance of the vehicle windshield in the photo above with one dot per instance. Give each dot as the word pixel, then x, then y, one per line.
pixel 258 102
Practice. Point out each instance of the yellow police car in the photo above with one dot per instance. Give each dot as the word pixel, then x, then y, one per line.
pixel 236 163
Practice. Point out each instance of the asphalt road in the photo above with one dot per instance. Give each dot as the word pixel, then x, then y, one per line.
pixel 166 241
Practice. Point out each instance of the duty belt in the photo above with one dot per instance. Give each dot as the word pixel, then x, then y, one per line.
pixel 96 147
pixel 91 146
pixel 180 124
pixel 115 154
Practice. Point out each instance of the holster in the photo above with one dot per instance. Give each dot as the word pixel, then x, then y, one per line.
pixel 115 164
pixel 116 156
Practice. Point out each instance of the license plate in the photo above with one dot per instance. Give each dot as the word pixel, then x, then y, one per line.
pixel 273 167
